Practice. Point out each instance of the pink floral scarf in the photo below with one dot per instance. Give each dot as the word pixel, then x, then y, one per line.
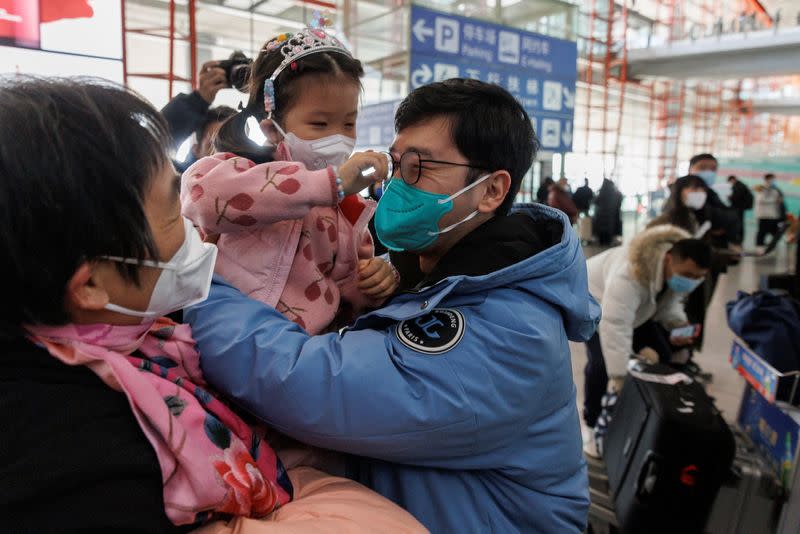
pixel 211 461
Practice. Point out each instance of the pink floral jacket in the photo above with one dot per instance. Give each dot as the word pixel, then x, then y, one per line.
pixel 283 239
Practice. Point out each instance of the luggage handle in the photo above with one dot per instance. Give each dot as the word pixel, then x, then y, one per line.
pixel 648 475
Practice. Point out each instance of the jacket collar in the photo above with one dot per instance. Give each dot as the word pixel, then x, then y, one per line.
pixel 498 243
pixel 481 275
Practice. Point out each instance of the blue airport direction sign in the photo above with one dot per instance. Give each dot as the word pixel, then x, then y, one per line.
pixel 539 71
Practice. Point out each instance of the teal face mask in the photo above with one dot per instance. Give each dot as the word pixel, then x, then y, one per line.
pixel 408 218
pixel 681 284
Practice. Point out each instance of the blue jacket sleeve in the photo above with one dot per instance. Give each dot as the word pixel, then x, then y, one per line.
pixel 355 393
pixel 184 114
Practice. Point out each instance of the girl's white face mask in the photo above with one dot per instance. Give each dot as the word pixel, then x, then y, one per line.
pixel 321 153
pixel 184 281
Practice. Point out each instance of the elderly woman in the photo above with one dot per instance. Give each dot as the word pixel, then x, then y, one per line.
pixel 107 422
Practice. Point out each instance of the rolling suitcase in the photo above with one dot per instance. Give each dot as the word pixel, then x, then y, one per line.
pixel 666 453
pixel 750 500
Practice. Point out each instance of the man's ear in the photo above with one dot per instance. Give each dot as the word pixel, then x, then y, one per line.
pixel 497 188
pixel 84 291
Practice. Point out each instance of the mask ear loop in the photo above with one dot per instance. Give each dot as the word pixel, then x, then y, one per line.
pixel 454 195
pixel 459 223
pixel 464 190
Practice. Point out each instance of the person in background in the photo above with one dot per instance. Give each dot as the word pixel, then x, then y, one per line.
pixel 770 209
pixel 705 166
pixel 187 113
pixel 724 220
pixel 205 134
pixel 607 224
pixel 686 207
pixel 544 190
pixel 560 198
pixel 583 197
pixel 641 288
pixel 741 200
pixel 794 237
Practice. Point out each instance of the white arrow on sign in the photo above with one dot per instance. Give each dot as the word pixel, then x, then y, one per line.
pixel 566 135
pixel 421 76
pixel 421 31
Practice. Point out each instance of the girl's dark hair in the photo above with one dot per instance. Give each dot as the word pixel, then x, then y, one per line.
pixel 675 210
pixel 232 137
pixel 76 159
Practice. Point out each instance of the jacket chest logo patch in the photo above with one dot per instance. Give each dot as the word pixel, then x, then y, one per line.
pixel 434 333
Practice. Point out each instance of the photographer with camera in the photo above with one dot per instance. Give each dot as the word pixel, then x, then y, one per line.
pixel 187 113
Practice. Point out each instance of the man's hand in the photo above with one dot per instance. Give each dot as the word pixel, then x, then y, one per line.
pixel 377 279
pixel 212 79
pixel 351 171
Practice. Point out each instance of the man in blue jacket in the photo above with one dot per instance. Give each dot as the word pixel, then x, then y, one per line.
pixel 456 398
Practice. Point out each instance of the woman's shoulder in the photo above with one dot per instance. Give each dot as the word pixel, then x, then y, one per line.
pixel 73 454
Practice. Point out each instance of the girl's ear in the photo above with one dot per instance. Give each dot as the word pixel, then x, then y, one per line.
pixel 272 133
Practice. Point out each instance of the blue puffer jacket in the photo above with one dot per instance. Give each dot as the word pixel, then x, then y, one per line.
pixel 457 400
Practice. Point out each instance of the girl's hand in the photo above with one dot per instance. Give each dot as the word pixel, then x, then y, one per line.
pixel 377 279
pixel 352 171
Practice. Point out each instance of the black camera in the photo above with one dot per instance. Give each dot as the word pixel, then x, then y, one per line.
pixel 237 70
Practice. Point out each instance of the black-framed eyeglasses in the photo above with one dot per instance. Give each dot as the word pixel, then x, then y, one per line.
pixel 411 164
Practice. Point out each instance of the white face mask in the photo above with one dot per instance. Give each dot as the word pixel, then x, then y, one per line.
pixel 696 200
pixel 184 281
pixel 320 153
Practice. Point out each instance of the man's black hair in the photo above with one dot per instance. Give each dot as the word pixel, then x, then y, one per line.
pixel 732 178
pixel 701 157
pixel 693 249
pixel 76 159
pixel 213 115
pixel 769 176
pixel 487 124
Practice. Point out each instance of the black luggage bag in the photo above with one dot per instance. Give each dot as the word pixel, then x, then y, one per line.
pixel 667 452
pixel 788 282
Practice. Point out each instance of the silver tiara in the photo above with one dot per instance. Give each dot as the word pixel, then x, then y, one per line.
pixel 293 47
pixel 304 43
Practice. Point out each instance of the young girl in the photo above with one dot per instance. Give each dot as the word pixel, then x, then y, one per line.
pixel 292 231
